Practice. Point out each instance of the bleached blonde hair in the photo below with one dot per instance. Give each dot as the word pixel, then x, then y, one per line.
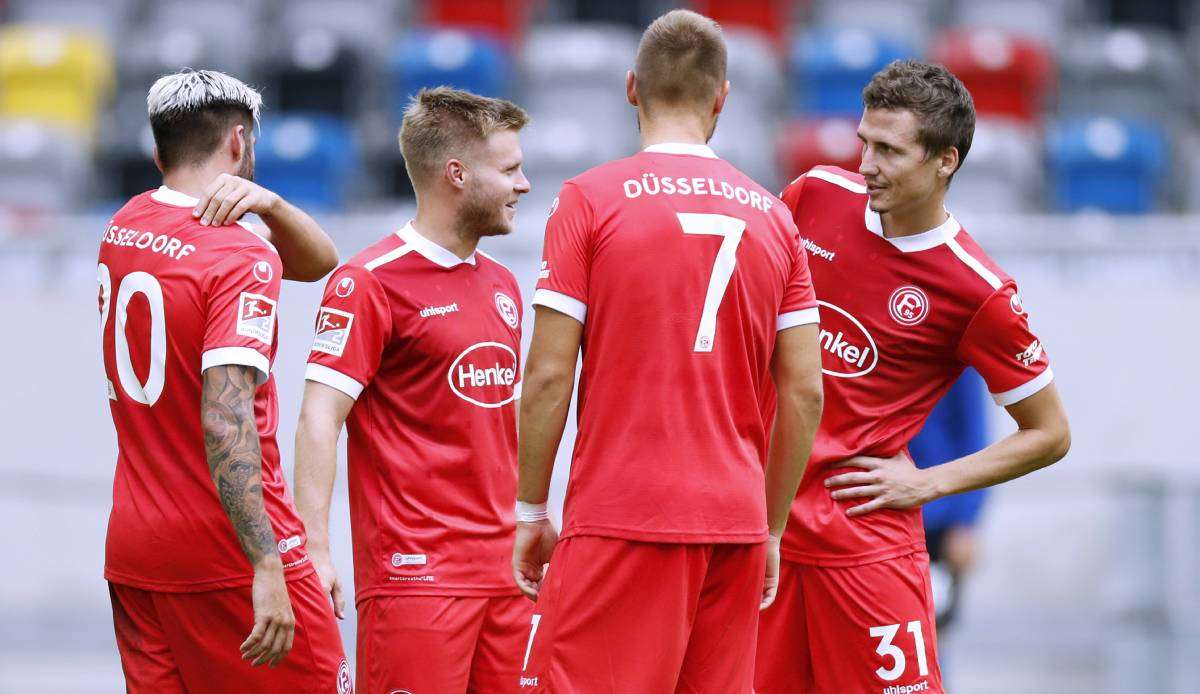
pixel 190 110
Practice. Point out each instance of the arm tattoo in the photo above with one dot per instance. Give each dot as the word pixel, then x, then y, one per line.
pixel 234 456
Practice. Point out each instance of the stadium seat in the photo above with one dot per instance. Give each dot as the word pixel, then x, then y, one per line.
pixel 317 71
pixel 755 69
pixel 1007 75
pixel 830 67
pixel 125 148
pixel 577 69
pixel 56 75
pixel 1003 169
pixel 910 19
pixel 430 58
pixel 107 19
pixel 770 17
pixel 744 137
pixel 1131 71
pixel 43 166
pixel 367 26
pixel 310 159
pixel 1043 20
pixel 805 143
pixel 226 34
pixel 504 19
pixel 558 146
pixel 1107 164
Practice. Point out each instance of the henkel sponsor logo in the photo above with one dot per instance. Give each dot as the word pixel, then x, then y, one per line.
pixel 256 317
pixel 908 305
pixel 484 374
pixel 850 350
pixel 333 330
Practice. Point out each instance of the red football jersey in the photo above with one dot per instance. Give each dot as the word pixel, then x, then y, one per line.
pixel 177 298
pixel 681 269
pixel 900 319
pixel 428 344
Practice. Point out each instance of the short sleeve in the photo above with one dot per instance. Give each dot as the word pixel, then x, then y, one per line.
pixel 1000 345
pixel 799 305
pixel 567 255
pixel 242 297
pixel 352 327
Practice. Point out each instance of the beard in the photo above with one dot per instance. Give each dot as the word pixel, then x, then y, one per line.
pixel 481 216
pixel 246 166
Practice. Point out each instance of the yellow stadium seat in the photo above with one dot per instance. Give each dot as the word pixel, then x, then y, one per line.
pixel 54 74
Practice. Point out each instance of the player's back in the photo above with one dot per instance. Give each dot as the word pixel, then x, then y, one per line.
pixel 678 266
pixel 176 298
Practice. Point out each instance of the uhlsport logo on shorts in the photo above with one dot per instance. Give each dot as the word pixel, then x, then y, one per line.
pixel 333 330
pixel 508 309
pixel 849 350
pixel 256 317
pixel 484 374
pixel 908 305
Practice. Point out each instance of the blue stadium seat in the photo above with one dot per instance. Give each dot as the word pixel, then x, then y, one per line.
pixel 436 57
pixel 1107 164
pixel 912 19
pixel 830 67
pixel 310 159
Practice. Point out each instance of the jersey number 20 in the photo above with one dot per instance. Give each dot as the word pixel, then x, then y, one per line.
pixel 147 285
pixel 730 230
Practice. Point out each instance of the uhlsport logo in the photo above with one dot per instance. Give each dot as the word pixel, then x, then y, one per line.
pixel 256 317
pixel 849 349
pixel 345 287
pixel 262 271
pixel 1014 302
pixel 345 683
pixel 508 309
pixel 484 374
pixel 908 305
pixel 333 330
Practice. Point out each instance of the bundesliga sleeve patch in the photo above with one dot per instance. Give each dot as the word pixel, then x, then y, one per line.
pixel 256 317
pixel 333 330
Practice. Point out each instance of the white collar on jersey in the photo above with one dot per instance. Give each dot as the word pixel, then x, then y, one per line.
pixel 432 252
pixel 915 242
pixel 682 148
pixel 169 196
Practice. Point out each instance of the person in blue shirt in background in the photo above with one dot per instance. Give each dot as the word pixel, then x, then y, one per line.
pixel 956 427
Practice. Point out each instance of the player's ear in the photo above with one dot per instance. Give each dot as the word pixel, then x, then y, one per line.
pixel 631 88
pixel 948 162
pixel 237 142
pixel 158 160
pixel 456 173
pixel 722 94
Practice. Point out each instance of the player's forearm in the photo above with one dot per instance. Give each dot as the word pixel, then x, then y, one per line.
pixel 231 444
pixel 316 471
pixel 796 422
pixel 307 252
pixel 545 400
pixel 1018 454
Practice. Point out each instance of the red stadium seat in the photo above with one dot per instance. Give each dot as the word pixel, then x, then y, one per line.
pixel 772 17
pixel 804 144
pixel 1007 75
pixel 504 18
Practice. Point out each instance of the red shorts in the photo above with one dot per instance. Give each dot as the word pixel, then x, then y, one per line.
pixel 432 644
pixel 865 629
pixel 621 616
pixel 188 642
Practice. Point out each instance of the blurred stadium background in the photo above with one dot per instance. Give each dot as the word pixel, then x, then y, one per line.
pixel 1084 181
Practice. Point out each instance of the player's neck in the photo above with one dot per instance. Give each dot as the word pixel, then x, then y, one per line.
pixel 915 219
pixel 682 130
pixel 192 181
pixel 444 230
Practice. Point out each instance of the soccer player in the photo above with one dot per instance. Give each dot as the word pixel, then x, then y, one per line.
pixel 908 300
pixel 416 351
pixel 205 556
pixel 684 284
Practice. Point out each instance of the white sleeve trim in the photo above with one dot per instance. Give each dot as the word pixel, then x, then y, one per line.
pixel 517 390
pixel 792 319
pixel 334 379
pixel 245 356
pixel 1012 397
pixel 561 302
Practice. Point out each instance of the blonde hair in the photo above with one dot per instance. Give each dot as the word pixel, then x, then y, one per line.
pixel 680 60
pixel 191 110
pixel 442 122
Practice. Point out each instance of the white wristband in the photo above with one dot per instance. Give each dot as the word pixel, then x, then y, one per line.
pixel 531 513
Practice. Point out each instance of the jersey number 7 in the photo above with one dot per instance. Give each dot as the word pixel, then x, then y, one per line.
pixel 730 230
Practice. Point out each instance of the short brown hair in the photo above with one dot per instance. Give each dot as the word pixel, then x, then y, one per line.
pixel 442 121
pixel 680 60
pixel 944 109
